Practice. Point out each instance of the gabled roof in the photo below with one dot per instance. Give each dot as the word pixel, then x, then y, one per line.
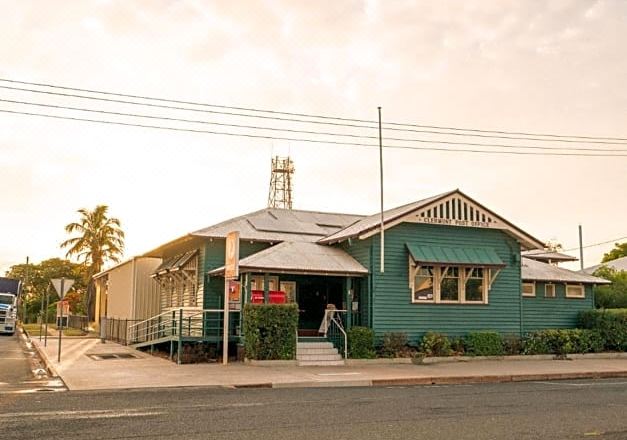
pixel 542 255
pixel 300 257
pixel 459 209
pixel 532 270
pixel 617 264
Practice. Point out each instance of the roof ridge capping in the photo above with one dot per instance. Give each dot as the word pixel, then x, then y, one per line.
pixel 371 223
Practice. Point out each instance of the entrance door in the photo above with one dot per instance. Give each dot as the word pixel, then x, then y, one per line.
pixel 313 296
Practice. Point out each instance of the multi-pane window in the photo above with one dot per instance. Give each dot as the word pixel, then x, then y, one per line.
pixel 423 283
pixel 475 284
pixel 575 291
pixel 549 290
pixel 528 289
pixel 449 284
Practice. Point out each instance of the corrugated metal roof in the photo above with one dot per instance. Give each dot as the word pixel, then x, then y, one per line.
pixel 538 254
pixel 175 263
pixel 275 225
pixel 532 270
pixel 301 257
pixel 617 264
pixel 454 255
pixel 372 222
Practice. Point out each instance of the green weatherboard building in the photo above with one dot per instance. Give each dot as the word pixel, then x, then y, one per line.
pixel 451 265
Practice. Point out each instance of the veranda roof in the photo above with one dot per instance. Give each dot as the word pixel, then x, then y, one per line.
pixel 300 258
pixel 532 270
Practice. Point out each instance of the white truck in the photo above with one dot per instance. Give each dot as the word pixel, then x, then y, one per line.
pixel 9 293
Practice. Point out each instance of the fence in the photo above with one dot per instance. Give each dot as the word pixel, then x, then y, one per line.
pixel 77 321
pixel 117 330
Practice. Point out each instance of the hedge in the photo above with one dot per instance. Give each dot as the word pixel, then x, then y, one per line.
pixel 270 331
pixel 563 341
pixel 487 343
pixel 610 324
pixel 361 343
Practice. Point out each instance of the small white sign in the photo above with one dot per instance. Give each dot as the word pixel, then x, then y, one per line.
pixel 67 285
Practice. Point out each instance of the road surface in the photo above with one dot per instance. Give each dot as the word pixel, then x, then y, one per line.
pixel 533 410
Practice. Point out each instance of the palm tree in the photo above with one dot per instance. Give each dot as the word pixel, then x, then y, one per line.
pixel 100 239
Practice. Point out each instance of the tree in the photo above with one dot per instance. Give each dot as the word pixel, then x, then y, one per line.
pixel 39 276
pixel 611 296
pixel 99 240
pixel 620 250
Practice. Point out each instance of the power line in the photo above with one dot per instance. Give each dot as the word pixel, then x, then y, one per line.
pixel 257 136
pixel 455 130
pixel 196 121
pixel 597 244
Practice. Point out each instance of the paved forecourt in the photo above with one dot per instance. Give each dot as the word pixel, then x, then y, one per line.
pixel 88 364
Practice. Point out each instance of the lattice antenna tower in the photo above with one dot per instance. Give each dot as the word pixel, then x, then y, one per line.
pixel 280 195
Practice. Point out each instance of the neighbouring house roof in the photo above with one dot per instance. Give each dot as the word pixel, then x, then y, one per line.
pixel 532 270
pixel 117 266
pixel 462 255
pixel 175 263
pixel 300 257
pixel 542 255
pixel 618 264
pixel 392 216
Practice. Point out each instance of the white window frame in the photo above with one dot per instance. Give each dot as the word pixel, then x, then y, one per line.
pixel 484 285
pixel 580 287
pixel 413 270
pixel 533 290
pixel 460 286
pixel 438 274
pixel 546 294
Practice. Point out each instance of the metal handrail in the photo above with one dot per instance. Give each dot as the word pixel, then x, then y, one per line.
pixel 331 317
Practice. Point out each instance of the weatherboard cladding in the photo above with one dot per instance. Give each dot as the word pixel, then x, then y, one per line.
pixel 392 309
pixel 541 313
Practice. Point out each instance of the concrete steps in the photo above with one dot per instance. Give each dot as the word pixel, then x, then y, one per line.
pixel 320 354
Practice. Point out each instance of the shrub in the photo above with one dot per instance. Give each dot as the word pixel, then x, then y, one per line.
pixel 270 331
pixel 458 346
pixel 394 345
pixel 435 344
pixel 611 325
pixel 563 342
pixel 361 343
pixel 512 344
pixel 484 343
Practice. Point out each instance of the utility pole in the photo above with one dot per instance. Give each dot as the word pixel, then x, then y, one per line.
pixel 381 184
pixel 580 247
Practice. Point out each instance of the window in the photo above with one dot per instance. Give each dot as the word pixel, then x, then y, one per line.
pixel 256 282
pixel 549 290
pixel 475 286
pixel 289 287
pixel 423 284
pixel 575 291
pixel 529 289
pixel 449 284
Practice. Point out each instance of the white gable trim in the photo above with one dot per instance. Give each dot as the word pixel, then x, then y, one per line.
pixel 458 210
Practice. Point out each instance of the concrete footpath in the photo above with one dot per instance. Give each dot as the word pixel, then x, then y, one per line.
pixel 88 364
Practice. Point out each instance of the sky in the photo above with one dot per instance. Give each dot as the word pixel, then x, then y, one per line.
pixel 555 66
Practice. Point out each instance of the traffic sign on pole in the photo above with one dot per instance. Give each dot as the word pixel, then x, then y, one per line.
pixel 62 285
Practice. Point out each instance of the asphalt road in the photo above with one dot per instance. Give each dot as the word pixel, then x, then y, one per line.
pixel 19 368
pixel 534 410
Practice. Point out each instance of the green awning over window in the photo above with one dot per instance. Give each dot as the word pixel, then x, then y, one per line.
pixel 459 255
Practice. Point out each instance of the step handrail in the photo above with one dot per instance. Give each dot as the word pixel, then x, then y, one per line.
pixel 331 317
